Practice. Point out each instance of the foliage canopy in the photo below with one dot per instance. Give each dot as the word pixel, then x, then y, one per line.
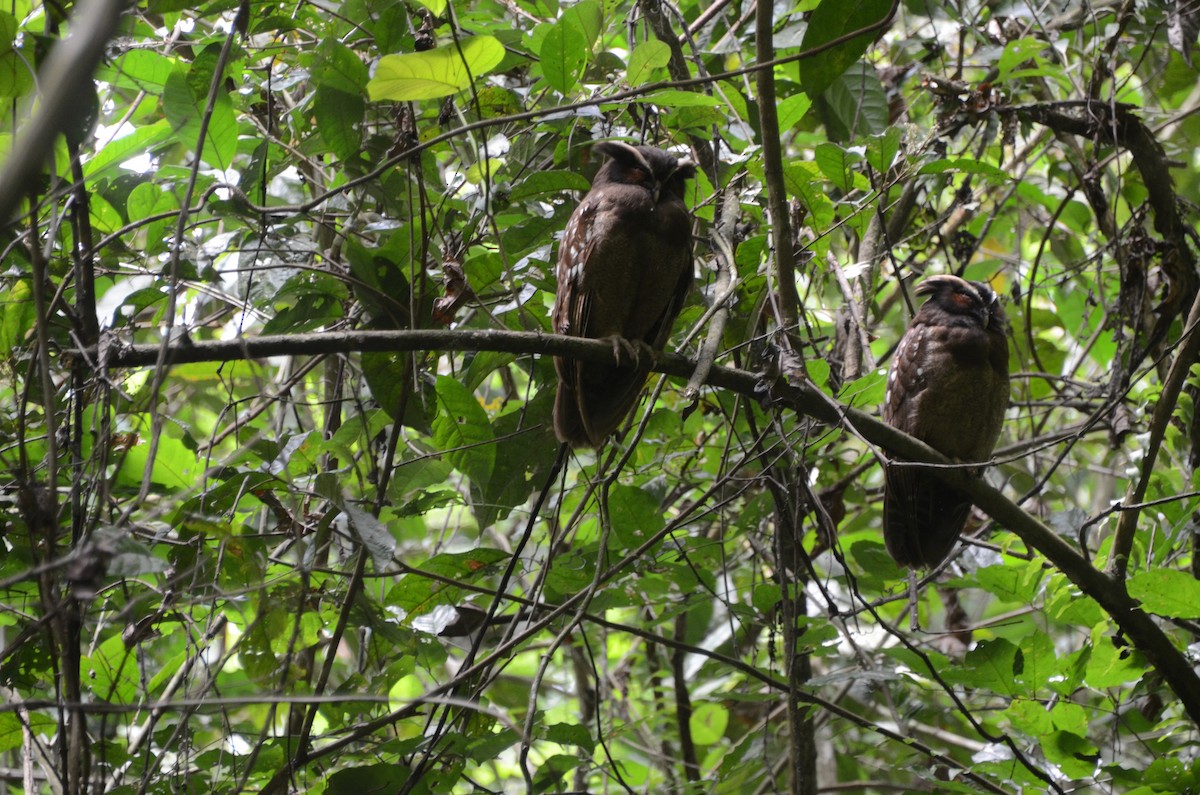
pixel 282 506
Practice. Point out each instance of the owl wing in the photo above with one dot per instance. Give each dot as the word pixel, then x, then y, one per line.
pixel 922 516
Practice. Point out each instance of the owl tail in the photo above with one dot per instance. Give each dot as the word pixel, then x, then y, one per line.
pixel 922 516
pixel 589 410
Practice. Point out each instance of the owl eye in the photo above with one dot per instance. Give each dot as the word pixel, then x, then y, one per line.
pixel 964 300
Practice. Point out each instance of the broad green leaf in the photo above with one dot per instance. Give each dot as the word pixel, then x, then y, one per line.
pixel 858 104
pixel 435 6
pixel 792 110
pixel 439 72
pixel 677 98
pixel 339 118
pixel 882 149
pixel 1016 53
pixel 635 516
pixel 645 58
pixel 831 20
pixel 184 110
pixel 836 164
pixel 801 178
pixel 174 468
pixel 708 723
pixel 1166 592
pixel 338 68
pixel 868 390
pixel 417 594
pixel 563 56
pixel 1076 756
pixel 587 17
pixel 462 430
pixel 993 665
pixel 569 734
pixel 139 69
pixel 128 147
pixel 17 316
pixel 542 182
pixel 529 451
pixel 1011 582
pixel 1111 666
pixel 16 79
pixel 111 672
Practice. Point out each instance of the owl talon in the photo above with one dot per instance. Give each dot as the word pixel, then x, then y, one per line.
pixel 632 350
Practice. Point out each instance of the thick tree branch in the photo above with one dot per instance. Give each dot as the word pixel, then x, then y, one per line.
pixel 1109 592
pixel 787 309
pixel 65 79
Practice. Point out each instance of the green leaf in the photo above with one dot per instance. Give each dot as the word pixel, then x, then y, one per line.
pixel 539 183
pixel 339 119
pixel 677 98
pixel 1166 592
pixel 440 72
pixel 882 149
pixel 128 147
pixel 588 18
pixel 1011 582
pixel 1110 665
pixel 708 723
pixel 338 68
pixel 462 430
pixel 17 316
pixel 792 110
pixel 563 56
pixel 833 19
pixel 436 6
pixel 185 111
pixel 569 734
pixel 635 515
pixel 645 58
pixel 143 70
pixel 1017 52
pixel 993 664
pixel 836 164
pixel 527 452
pixel 858 103
pixel 16 79
pixel 1074 755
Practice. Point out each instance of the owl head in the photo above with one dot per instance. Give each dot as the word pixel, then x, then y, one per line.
pixel 661 173
pixel 965 299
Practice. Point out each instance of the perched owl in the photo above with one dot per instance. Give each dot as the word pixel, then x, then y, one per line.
pixel 948 386
pixel 624 269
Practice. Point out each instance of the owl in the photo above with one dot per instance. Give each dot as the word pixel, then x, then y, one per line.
pixel 948 386
pixel 624 269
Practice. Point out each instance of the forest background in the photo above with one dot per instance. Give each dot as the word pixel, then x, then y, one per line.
pixel 281 508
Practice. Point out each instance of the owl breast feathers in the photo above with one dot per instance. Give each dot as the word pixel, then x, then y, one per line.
pixel 948 387
pixel 624 269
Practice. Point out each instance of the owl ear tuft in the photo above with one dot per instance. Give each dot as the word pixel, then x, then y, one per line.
pixel 623 152
pixel 685 168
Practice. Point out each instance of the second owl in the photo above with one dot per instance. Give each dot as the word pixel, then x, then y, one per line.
pixel 948 386
pixel 624 269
